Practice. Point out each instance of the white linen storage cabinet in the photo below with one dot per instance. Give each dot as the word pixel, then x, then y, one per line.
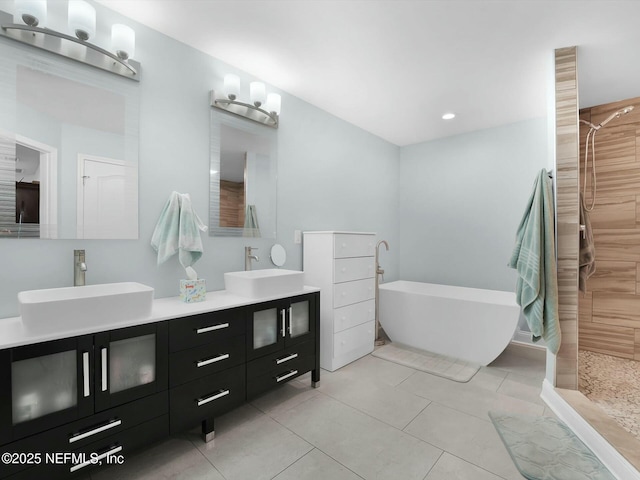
pixel 342 265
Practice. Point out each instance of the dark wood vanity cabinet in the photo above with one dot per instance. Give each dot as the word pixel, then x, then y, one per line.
pixel 111 392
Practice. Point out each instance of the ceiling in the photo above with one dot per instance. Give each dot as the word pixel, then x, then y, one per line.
pixel 394 67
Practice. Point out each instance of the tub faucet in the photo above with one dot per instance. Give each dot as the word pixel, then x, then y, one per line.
pixel 248 257
pixel 79 267
pixel 379 271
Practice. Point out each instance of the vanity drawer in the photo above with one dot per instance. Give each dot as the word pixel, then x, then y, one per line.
pixel 206 397
pixel 279 360
pixel 352 315
pixel 89 430
pixel 355 339
pixel 205 328
pixel 352 245
pixel 353 292
pixel 348 269
pixel 289 371
pixel 197 362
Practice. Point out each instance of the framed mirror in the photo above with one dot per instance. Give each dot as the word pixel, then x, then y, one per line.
pixel 243 178
pixel 68 149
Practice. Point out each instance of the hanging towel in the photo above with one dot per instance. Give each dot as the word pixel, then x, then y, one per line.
pixel 251 227
pixel 587 256
pixel 534 258
pixel 178 231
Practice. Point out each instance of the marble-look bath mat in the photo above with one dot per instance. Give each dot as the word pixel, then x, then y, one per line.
pixel 441 365
pixel 544 448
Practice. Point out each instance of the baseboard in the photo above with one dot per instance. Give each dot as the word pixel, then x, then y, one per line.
pixel 609 456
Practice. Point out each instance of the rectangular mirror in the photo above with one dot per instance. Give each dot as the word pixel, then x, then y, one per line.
pixel 68 149
pixel 243 178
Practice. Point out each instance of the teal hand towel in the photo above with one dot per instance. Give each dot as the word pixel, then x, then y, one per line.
pixel 534 258
pixel 178 231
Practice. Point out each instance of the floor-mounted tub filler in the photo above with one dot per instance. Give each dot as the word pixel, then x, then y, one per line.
pixel 466 323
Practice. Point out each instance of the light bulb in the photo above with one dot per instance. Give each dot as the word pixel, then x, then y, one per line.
pixel 123 41
pixel 257 93
pixel 31 12
pixel 273 104
pixel 82 19
pixel 231 86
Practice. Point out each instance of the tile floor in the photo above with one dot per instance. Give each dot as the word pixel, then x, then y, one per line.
pixel 372 419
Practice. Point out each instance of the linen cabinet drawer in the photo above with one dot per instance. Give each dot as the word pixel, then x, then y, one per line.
pixel 286 372
pixel 354 339
pixel 205 328
pixel 350 245
pixel 214 357
pixel 353 292
pixel 279 360
pixel 206 397
pixel 348 269
pixel 352 315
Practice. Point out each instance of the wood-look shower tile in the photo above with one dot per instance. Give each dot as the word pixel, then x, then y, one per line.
pixel 612 276
pixel 617 245
pixel 636 355
pixel 607 339
pixel 620 179
pixel 615 144
pixel 616 309
pixel 614 212
pixel 638 279
pixel 585 307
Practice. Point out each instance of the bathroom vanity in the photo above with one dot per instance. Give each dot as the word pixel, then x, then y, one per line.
pixel 77 399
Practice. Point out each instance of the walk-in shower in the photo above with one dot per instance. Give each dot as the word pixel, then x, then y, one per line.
pixel 592 135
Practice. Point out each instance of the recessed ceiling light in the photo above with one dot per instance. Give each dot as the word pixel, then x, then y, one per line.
pixel 448 116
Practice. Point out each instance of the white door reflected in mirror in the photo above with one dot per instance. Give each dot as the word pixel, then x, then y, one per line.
pixel 278 255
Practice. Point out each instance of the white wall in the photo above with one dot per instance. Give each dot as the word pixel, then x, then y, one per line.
pixel 331 175
pixel 461 200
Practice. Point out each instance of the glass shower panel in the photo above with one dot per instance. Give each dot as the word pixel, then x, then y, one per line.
pixel 299 318
pixel 43 385
pixel 265 328
pixel 132 362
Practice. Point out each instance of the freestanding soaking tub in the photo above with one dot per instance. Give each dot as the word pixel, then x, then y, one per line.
pixel 466 323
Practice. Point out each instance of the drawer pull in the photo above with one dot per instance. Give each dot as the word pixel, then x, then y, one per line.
pixel 95 459
pixel 290 321
pixel 85 374
pixel 212 328
pixel 220 394
pixel 103 354
pixel 286 359
pixel 107 426
pixel 287 375
pixel 209 361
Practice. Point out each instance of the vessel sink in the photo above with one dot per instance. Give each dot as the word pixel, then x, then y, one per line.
pixel 264 283
pixel 57 309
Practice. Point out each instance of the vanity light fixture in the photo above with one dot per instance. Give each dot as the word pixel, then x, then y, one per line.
pixel 29 26
pixel 448 116
pixel 264 108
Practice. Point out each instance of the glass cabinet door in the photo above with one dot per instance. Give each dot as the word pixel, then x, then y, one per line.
pixel 132 362
pixel 265 328
pixel 301 319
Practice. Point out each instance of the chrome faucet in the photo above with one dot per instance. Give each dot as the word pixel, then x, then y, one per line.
pixel 379 272
pixel 248 257
pixel 79 267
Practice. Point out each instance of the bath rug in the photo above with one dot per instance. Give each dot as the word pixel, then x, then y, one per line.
pixel 434 363
pixel 543 448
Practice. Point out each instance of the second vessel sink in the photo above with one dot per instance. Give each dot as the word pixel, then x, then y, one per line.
pixel 264 283
pixel 57 309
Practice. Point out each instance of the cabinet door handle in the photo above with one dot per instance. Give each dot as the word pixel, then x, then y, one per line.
pixel 212 328
pixel 284 321
pixel 103 356
pixel 286 375
pixel 286 359
pixel 102 428
pixel 95 459
pixel 290 321
pixel 85 374
pixel 220 394
pixel 209 361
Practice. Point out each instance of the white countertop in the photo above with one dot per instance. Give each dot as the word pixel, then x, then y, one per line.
pixel 13 333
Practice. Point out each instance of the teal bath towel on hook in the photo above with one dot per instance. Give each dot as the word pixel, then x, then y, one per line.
pixel 534 257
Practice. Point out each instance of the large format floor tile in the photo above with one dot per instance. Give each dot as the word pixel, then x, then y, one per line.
pixel 450 467
pixel 370 448
pixel 315 465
